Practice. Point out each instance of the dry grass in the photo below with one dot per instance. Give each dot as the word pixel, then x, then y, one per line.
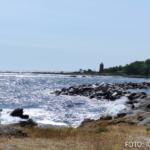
pixel 85 138
pixel 50 132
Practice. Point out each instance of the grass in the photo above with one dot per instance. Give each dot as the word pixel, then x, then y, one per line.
pixel 50 132
pixel 148 129
pixel 112 137
pixel 101 129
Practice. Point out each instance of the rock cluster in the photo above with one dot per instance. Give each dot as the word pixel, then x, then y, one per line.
pixel 19 113
pixel 138 118
pixel 138 101
pixel 113 91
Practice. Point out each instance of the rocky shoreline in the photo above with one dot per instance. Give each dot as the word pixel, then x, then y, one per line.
pixel 138 101
pixel 6 130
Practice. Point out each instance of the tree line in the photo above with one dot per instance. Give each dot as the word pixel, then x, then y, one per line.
pixel 134 68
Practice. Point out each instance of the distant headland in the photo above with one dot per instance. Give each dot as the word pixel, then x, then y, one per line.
pixel 137 69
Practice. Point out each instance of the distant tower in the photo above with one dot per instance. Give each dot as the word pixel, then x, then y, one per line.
pixel 101 68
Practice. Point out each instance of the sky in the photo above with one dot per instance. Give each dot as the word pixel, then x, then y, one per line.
pixel 68 35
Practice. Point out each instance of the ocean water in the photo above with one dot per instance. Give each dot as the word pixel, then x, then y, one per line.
pixel 32 93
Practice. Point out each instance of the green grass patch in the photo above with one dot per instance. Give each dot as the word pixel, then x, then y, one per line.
pixel 101 129
pixel 148 129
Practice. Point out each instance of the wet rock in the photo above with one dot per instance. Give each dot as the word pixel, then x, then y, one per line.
pixel 131 96
pixel 91 96
pixel 111 91
pixel 57 93
pixel 114 94
pixel 138 94
pixel 29 122
pixel 25 116
pixel 129 102
pixel 132 106
pixel 19 113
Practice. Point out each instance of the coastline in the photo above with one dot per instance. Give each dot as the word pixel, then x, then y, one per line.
pixel 103 133
pixel 76 74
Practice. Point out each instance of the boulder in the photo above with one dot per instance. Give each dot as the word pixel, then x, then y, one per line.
pixel 85 121
pixel 19 113
pixel 120 115
pixel 145 122
pixel 29 122
pixel 135 118
pixel 144 105
pixel 8 130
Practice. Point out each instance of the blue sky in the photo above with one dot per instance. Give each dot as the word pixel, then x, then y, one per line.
pixel 66 35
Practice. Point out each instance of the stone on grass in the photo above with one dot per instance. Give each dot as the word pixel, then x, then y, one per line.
pixel 8 130
pixel 145 122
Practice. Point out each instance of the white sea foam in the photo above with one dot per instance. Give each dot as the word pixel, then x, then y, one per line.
pixel 113 107
pixel 49 122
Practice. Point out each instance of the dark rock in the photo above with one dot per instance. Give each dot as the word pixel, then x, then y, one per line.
pixel 107 91
pixel 19 113
pixel 131 96
pixel 129 102
pixel 25 116
pixel 120 115
pixel 116 117
pixel 29 122
pixel 92 96
pixel 133 106
pixel 138 94
pixel 85 121
pixel 64 89
pixel 73 76
pixel 57 92
pixel 108 117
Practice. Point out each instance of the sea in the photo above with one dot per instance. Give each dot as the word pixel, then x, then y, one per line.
pixel 32 93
